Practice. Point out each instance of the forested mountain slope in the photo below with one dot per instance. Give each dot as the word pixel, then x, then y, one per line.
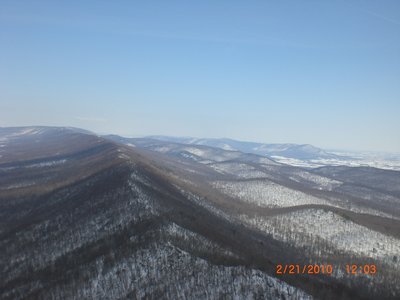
pixel 87 217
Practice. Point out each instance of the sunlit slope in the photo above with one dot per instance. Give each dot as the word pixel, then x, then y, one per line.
pixel 94 218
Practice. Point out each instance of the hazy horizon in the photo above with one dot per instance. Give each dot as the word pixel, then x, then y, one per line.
pixel 127 135
pixel 319 73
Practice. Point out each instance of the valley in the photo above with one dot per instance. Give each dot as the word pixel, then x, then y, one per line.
pixel 108 217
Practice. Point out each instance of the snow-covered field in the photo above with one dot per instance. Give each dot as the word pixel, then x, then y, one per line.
pixel 381 161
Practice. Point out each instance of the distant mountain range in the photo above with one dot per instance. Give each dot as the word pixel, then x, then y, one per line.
pixel 296 151
pixel 89 217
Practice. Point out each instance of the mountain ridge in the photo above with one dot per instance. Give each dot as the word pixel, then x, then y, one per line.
pixel 290 150
pixel 84 216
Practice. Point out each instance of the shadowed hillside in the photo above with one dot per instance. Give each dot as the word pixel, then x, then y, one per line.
pixel 86 217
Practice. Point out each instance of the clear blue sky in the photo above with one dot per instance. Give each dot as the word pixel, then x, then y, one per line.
pixel 320 72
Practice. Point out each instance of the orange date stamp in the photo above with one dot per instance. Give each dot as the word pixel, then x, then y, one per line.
pixel 327 269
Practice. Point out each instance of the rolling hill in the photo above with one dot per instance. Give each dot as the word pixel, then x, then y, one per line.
pixel 90 217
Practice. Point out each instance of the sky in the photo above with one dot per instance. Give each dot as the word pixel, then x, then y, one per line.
pixel 325 73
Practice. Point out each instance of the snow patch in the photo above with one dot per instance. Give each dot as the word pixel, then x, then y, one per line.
pixel 266 193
